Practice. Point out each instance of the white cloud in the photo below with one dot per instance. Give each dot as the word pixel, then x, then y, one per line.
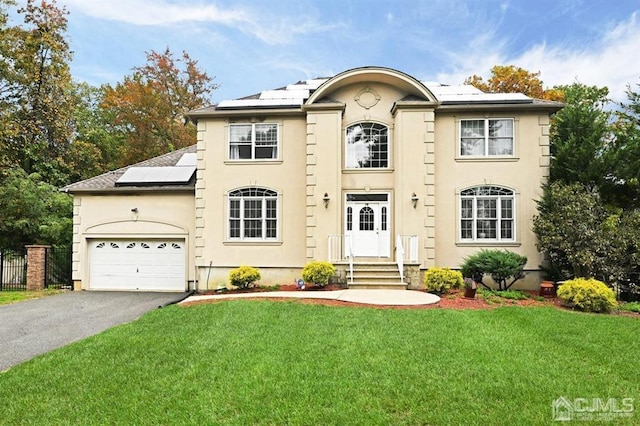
pixel 263 25
pixel 612 61
pixel 150 12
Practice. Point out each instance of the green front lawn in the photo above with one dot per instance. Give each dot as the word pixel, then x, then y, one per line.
pixel 7 297
pixel 259 362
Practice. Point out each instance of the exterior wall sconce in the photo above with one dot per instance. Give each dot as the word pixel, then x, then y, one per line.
pixel 134 210
pixel 325 200
pixel 414 200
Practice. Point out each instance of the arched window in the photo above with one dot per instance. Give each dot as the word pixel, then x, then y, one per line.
pixel 487 213
pixel 367 220
pixel 367 146
pixel 253 214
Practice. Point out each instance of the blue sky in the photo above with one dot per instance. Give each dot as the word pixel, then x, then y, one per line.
pixel 253 45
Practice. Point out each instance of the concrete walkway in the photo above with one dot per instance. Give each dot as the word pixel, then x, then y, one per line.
pixel 369 297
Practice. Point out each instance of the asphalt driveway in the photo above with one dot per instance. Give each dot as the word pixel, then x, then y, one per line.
pixel 34 327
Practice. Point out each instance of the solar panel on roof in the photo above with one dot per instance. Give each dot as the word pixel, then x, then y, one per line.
pixel 145 176
pixel 284 94
pixel 188 159
pixel 242 103
pixel 485 97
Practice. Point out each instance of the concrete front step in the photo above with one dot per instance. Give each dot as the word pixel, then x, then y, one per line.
pixel 377 286
pixel 375 274
pixel 374 277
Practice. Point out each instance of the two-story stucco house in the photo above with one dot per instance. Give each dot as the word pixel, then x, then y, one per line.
pixel 373 170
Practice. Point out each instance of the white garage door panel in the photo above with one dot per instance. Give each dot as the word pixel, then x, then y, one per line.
pixel 147 265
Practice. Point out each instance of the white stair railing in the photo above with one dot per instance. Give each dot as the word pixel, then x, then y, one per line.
pixel 350 254
pixel 410 245
pixel 340 248
pixel 400 256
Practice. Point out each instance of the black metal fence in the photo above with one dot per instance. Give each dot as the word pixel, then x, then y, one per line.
pixel 58 268
pixel 13 269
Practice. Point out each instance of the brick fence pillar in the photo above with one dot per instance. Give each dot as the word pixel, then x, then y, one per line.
pixel 36 265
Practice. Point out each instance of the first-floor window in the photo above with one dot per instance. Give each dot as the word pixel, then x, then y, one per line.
pixel 253 214
pixel 487 213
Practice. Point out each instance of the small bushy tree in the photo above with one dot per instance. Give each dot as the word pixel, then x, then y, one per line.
pixel 244 276
pixel 500 265
pixel 318 272
pixel 442 280
pixel 576 232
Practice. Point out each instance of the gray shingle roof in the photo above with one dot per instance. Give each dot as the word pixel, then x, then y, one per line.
pixel 106 182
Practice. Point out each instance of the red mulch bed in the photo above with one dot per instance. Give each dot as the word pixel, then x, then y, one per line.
pixel 454 300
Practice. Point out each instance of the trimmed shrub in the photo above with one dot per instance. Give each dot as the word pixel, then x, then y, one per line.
pixel 501 265
pixel 631 307
pixel 509 294
pixel 318 272
pixel 442 280
pixel 244 276
pixel 589 295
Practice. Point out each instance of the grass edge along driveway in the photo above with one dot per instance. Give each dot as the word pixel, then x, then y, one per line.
pixel 261 362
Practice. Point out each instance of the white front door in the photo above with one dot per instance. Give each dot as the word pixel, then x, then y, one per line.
pixel 367 221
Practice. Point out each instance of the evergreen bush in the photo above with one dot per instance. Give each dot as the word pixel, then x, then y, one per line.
pixel 501 265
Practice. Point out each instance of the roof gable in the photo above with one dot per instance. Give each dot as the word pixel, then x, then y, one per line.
pixel 106 182
pixel 295 97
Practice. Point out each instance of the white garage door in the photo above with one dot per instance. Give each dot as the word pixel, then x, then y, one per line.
pixel 146 265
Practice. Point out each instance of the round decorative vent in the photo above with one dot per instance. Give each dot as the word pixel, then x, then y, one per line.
pixel 367 98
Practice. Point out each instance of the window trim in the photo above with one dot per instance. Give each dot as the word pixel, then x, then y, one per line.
pixel 498 218
pixel 253 158
pixel 486 154
pixel 267 195
pixel 389 150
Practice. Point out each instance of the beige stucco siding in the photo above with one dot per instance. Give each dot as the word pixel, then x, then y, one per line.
pixel 523 173
pixel 158 216
pixel 217 176
pixel 423 180
pixel 408 145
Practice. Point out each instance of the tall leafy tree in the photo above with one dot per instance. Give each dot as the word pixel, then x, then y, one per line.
pixel 513 79
pixel 32 211
pixel 37 85
pixel 624 180
pixel 97 145
pixel 7 82
pixel 581 137
pixel 150 106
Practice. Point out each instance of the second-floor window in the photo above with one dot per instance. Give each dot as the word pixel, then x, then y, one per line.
pixel 253 141
pixel 486 137
pixel 367 146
